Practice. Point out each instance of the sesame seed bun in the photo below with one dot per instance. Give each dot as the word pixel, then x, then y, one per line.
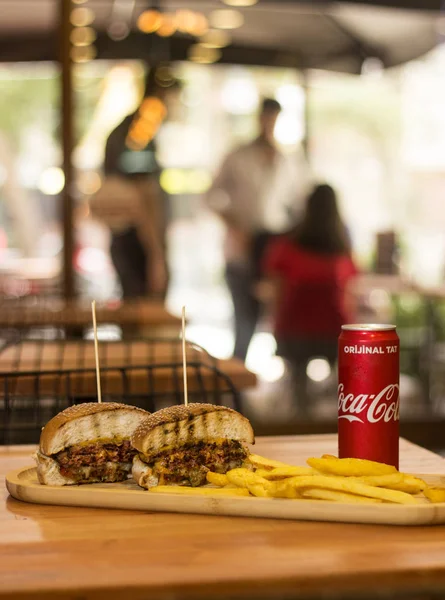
pixel 180 424
pixel 91 421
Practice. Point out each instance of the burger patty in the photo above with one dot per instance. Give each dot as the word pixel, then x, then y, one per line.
pixel 98 461
pixel 189 464
pixel 106 472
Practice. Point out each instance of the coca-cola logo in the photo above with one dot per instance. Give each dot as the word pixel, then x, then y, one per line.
pixel 373 408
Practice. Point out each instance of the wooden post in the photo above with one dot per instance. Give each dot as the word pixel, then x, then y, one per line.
pixel 66 129
pixel 307 129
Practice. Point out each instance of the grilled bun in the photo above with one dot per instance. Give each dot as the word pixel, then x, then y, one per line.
pixel 91 421
pixel 180 424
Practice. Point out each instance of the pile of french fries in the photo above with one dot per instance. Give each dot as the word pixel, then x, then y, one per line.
pixel 348 480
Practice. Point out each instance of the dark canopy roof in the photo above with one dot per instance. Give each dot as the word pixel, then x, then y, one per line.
pixel 327 35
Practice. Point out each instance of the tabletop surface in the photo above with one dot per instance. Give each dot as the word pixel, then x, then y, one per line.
pixel 59 552
pixel 57 312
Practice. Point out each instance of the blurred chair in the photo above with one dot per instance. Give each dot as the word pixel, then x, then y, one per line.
pixel 40 378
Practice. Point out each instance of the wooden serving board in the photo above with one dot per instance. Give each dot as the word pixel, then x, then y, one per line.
pixel 22 484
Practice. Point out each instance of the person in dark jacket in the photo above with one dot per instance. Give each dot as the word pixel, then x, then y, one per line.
pixel 132 201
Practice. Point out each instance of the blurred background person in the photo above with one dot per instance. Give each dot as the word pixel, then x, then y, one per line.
pixel 130 201
pixel 308 271
pixel 256 193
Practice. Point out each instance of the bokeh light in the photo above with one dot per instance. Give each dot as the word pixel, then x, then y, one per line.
pixel 185 20
pixel 82 36
pixel 81 16
pixel 83 54
pixel 118 30
pixel 168 25
pixel 149 21
pixel 318 369
pixel 51 181
pixel 203 55
pixel 89 182
pixel 185 181
pixel 216 38
pixel 201 25
pixel 226 19
pixel 240 95
pixel 240 2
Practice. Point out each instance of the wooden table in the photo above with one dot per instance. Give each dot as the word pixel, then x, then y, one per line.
pixel 72 553
pixel 52 357
pixel 143 314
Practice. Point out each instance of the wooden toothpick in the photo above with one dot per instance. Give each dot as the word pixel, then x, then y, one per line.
pixel 96 351
pixel 184 358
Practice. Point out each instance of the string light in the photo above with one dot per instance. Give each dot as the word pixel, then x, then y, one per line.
pixel 149 21
pixel 201 25
pixel 83 54
pixel 203 55
pixel 82 36
pixel 168 25
pixel 186 20
pixel 226 19
pixel 216 38
pixel 240 2
pixel 144 127
pixel 81 16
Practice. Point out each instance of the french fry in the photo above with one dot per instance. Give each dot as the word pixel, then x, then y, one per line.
pixel 258 490
pixel 280 489
pixel 395 481
pixel 263 472
pixel 345 484
pixel 387 481
pixel 284 472
pixel 217 479
pixel 265 463
pixel 435 494
pixel 350 467
pixel 409 484
pixel 242 477
pixel 335 496
pixel 258 486
pixel 198 491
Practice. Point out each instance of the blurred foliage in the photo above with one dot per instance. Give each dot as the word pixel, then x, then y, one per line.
pixel 87 90
pixel 371 106
pixel 26 100
pixel 31 95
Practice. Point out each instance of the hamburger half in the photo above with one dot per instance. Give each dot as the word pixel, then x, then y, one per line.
pixel 178 445
pixel 88 443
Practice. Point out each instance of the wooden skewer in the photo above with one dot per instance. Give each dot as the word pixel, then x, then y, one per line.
pixel 96 351
pixel 184 358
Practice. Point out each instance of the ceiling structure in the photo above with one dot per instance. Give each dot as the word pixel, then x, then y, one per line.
pixel 335 36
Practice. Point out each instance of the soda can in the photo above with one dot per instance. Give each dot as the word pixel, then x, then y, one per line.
pixel 368 393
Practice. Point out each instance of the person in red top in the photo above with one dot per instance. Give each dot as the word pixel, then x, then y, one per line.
pixel 310 268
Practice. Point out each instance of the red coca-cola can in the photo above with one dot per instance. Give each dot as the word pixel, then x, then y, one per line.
pixel 368 393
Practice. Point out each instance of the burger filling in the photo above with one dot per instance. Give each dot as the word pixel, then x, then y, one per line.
pixel 189 464
pixel 98 461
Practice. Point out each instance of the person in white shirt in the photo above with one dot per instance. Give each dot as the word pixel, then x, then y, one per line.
pixel 255 193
